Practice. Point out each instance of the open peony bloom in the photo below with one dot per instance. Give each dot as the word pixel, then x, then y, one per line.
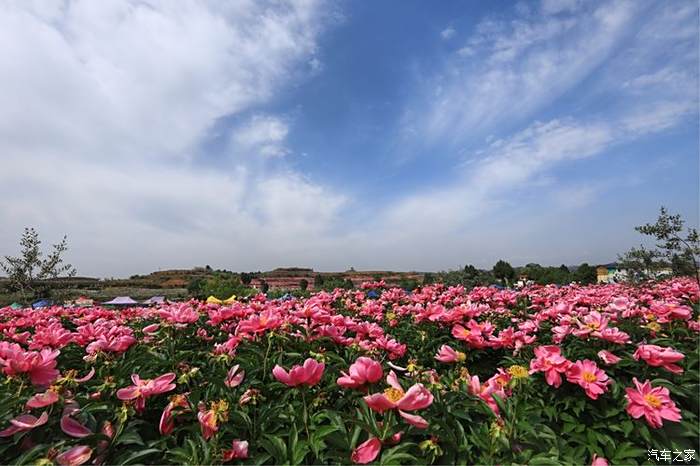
pixel 654 403
pixel 74 456
pixel 417 397
pixel 608 358
pixel 587 374
pixel 24 422
pixel 367 451
pixel 239 450
pixel 309 374
pixel 39 365
pixel 548 359
pixel 448 355
pixel 234 377
pixel 143 388
pixel 362 371
pixel 658 356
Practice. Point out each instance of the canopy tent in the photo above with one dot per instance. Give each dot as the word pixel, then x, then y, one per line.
pixel 41 303
pixel 371 294
pixel 121 301
pixel 214 300
pixel 84 301
pixel 16 306
pixel 230 300
pixel 286 297
pixel 155 300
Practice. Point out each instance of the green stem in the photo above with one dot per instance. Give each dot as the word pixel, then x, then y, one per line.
pixel 306 414
pixel 267 353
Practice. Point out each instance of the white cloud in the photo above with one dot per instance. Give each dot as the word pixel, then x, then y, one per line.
pixel 448 33
pixel 106 107
pixel 263 135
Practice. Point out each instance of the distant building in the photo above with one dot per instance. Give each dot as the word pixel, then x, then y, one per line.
pixel 610 273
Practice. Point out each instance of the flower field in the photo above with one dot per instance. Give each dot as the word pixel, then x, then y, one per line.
pixel 544 375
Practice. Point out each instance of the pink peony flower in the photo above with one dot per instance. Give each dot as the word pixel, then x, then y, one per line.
pixel 167 420
pixel 41 400
pixel 73 428
pixel 74 456
pixel 658 356
pixel 23 423
pixel 417 397
pixel 367 451
pixel 654 403
pixel 39 365
pixel 599 461
pixel 239 450
pixel 363 371
pixel 309 374
pixel 587 374
pixel 548 359
pixel 447 355
pixel 234 377
pixel 143 388
pixel 608 358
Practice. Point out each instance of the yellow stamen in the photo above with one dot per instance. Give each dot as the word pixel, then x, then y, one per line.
pixel 518 372
pixel 393 394
pixel 653 400
pixel 589 377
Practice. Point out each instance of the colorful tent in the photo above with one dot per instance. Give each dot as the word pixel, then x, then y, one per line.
pixel 41 303
pixel 155 300
pixel 214 300
pixel 230 300
pixel 121 301
pixel 84 301
pixel 16 306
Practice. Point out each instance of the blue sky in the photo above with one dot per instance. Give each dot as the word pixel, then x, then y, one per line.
pixel 379 135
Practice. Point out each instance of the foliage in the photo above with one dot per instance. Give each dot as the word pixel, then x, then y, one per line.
pixel 29 273
pixel 485 407
pixel 585 274
pixel 220 285
pixel 504 272
pixel 303 284
pixel 674 239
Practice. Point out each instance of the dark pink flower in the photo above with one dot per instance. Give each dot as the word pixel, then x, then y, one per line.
pixel 239 450
pixel 654 403
pixel 74 456
pixel 309 374
pixel 367 451
pixel 363 371
pixel 587 374
pixel 658 356
pixel 417 397
pixel 234 377
pixel 143 388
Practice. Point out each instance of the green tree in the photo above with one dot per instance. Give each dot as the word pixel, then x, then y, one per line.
pixel 318 281
pixel 264 287
pixel 504 271
pixel 246 278
pixel 428 278
pixel 642 263
pixel 585 274
pixel 682 265
pixel 29 273
pixel 674 238
pixel 303 284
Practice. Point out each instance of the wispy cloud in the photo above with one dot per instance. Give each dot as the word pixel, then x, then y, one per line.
pixel 509 69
